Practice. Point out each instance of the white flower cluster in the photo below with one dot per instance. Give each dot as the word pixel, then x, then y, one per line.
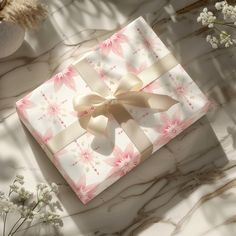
pixel 212 40
pixel 221 37
pixel 228 11
pixel 207 18
pixel 6 205
pixel 226 39
pixel 38 207
pixel 51 218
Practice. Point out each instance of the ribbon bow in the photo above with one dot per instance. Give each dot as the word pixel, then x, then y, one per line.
pixel 97 107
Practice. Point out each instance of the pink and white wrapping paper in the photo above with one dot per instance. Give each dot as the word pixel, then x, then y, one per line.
pixel 91 164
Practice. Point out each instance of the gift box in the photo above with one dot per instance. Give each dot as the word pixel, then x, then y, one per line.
pixel 103 115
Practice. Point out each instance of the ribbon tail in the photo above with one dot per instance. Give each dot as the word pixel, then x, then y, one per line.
pixel 95 124
pixel 160 102
pixel 156 102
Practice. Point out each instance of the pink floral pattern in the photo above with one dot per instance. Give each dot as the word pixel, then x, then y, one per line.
pixel 65 78
pixel 85 192
pixel 181 88
pixel 52 109
pixel 24 104
pixel 88 165
pixel 148 43
pixel 151 87
pixel 136 70
pixel 123 161
pixel 43 138
pixel 113 44
pixel 102 74
pixel 86 155
pixel 170 127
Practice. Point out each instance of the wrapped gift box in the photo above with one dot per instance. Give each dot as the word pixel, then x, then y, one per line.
pixel 89 163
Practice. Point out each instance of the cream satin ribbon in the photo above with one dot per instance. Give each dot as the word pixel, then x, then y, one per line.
pixel 101 103
pixel 98 107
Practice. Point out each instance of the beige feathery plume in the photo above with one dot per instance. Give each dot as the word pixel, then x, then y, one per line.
pixel 26 13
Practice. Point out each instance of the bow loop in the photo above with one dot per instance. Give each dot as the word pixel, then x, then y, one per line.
pixel 88 102
pixel 95 124
pixel 96 107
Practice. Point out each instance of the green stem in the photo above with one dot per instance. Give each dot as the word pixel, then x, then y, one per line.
pixel 5 219
pixel 14 225
pixel 23 220
pixel 218 30
pixel 4 224
pixel 229 24
pixel 222 22
pixel 38 223
pixel 232 26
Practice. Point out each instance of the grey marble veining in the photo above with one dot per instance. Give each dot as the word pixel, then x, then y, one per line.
pixel 187 187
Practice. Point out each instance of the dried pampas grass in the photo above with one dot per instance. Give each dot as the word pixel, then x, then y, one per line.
pixel 27 13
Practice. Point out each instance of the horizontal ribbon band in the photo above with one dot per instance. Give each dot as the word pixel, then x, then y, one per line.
pixel 101 102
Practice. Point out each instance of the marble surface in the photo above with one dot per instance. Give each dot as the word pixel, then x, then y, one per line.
pixel 187 187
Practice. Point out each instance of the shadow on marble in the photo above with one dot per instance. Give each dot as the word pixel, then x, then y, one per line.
pixel 8 163
pixel 25 51
pixel 47 168
pixel 7 168
pixel 191 160
pixel 232 132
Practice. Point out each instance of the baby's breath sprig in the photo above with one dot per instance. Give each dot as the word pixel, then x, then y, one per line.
pixel 39 207
pixel 226 20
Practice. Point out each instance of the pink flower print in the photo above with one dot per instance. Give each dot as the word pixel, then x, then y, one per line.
pixel 113 44
pixel 86 156
pixel 170 127
pixel 84 192
pixel 23 105
pixel 151 87
pixel 47 135
pixel 123 161
pixel 136 70
pixel 149 44
pixel 65 77
pixel 43 138
pixel 181 89
pixel 101 74
pixel 53 109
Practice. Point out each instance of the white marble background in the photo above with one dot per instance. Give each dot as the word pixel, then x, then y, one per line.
pixel 186 188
